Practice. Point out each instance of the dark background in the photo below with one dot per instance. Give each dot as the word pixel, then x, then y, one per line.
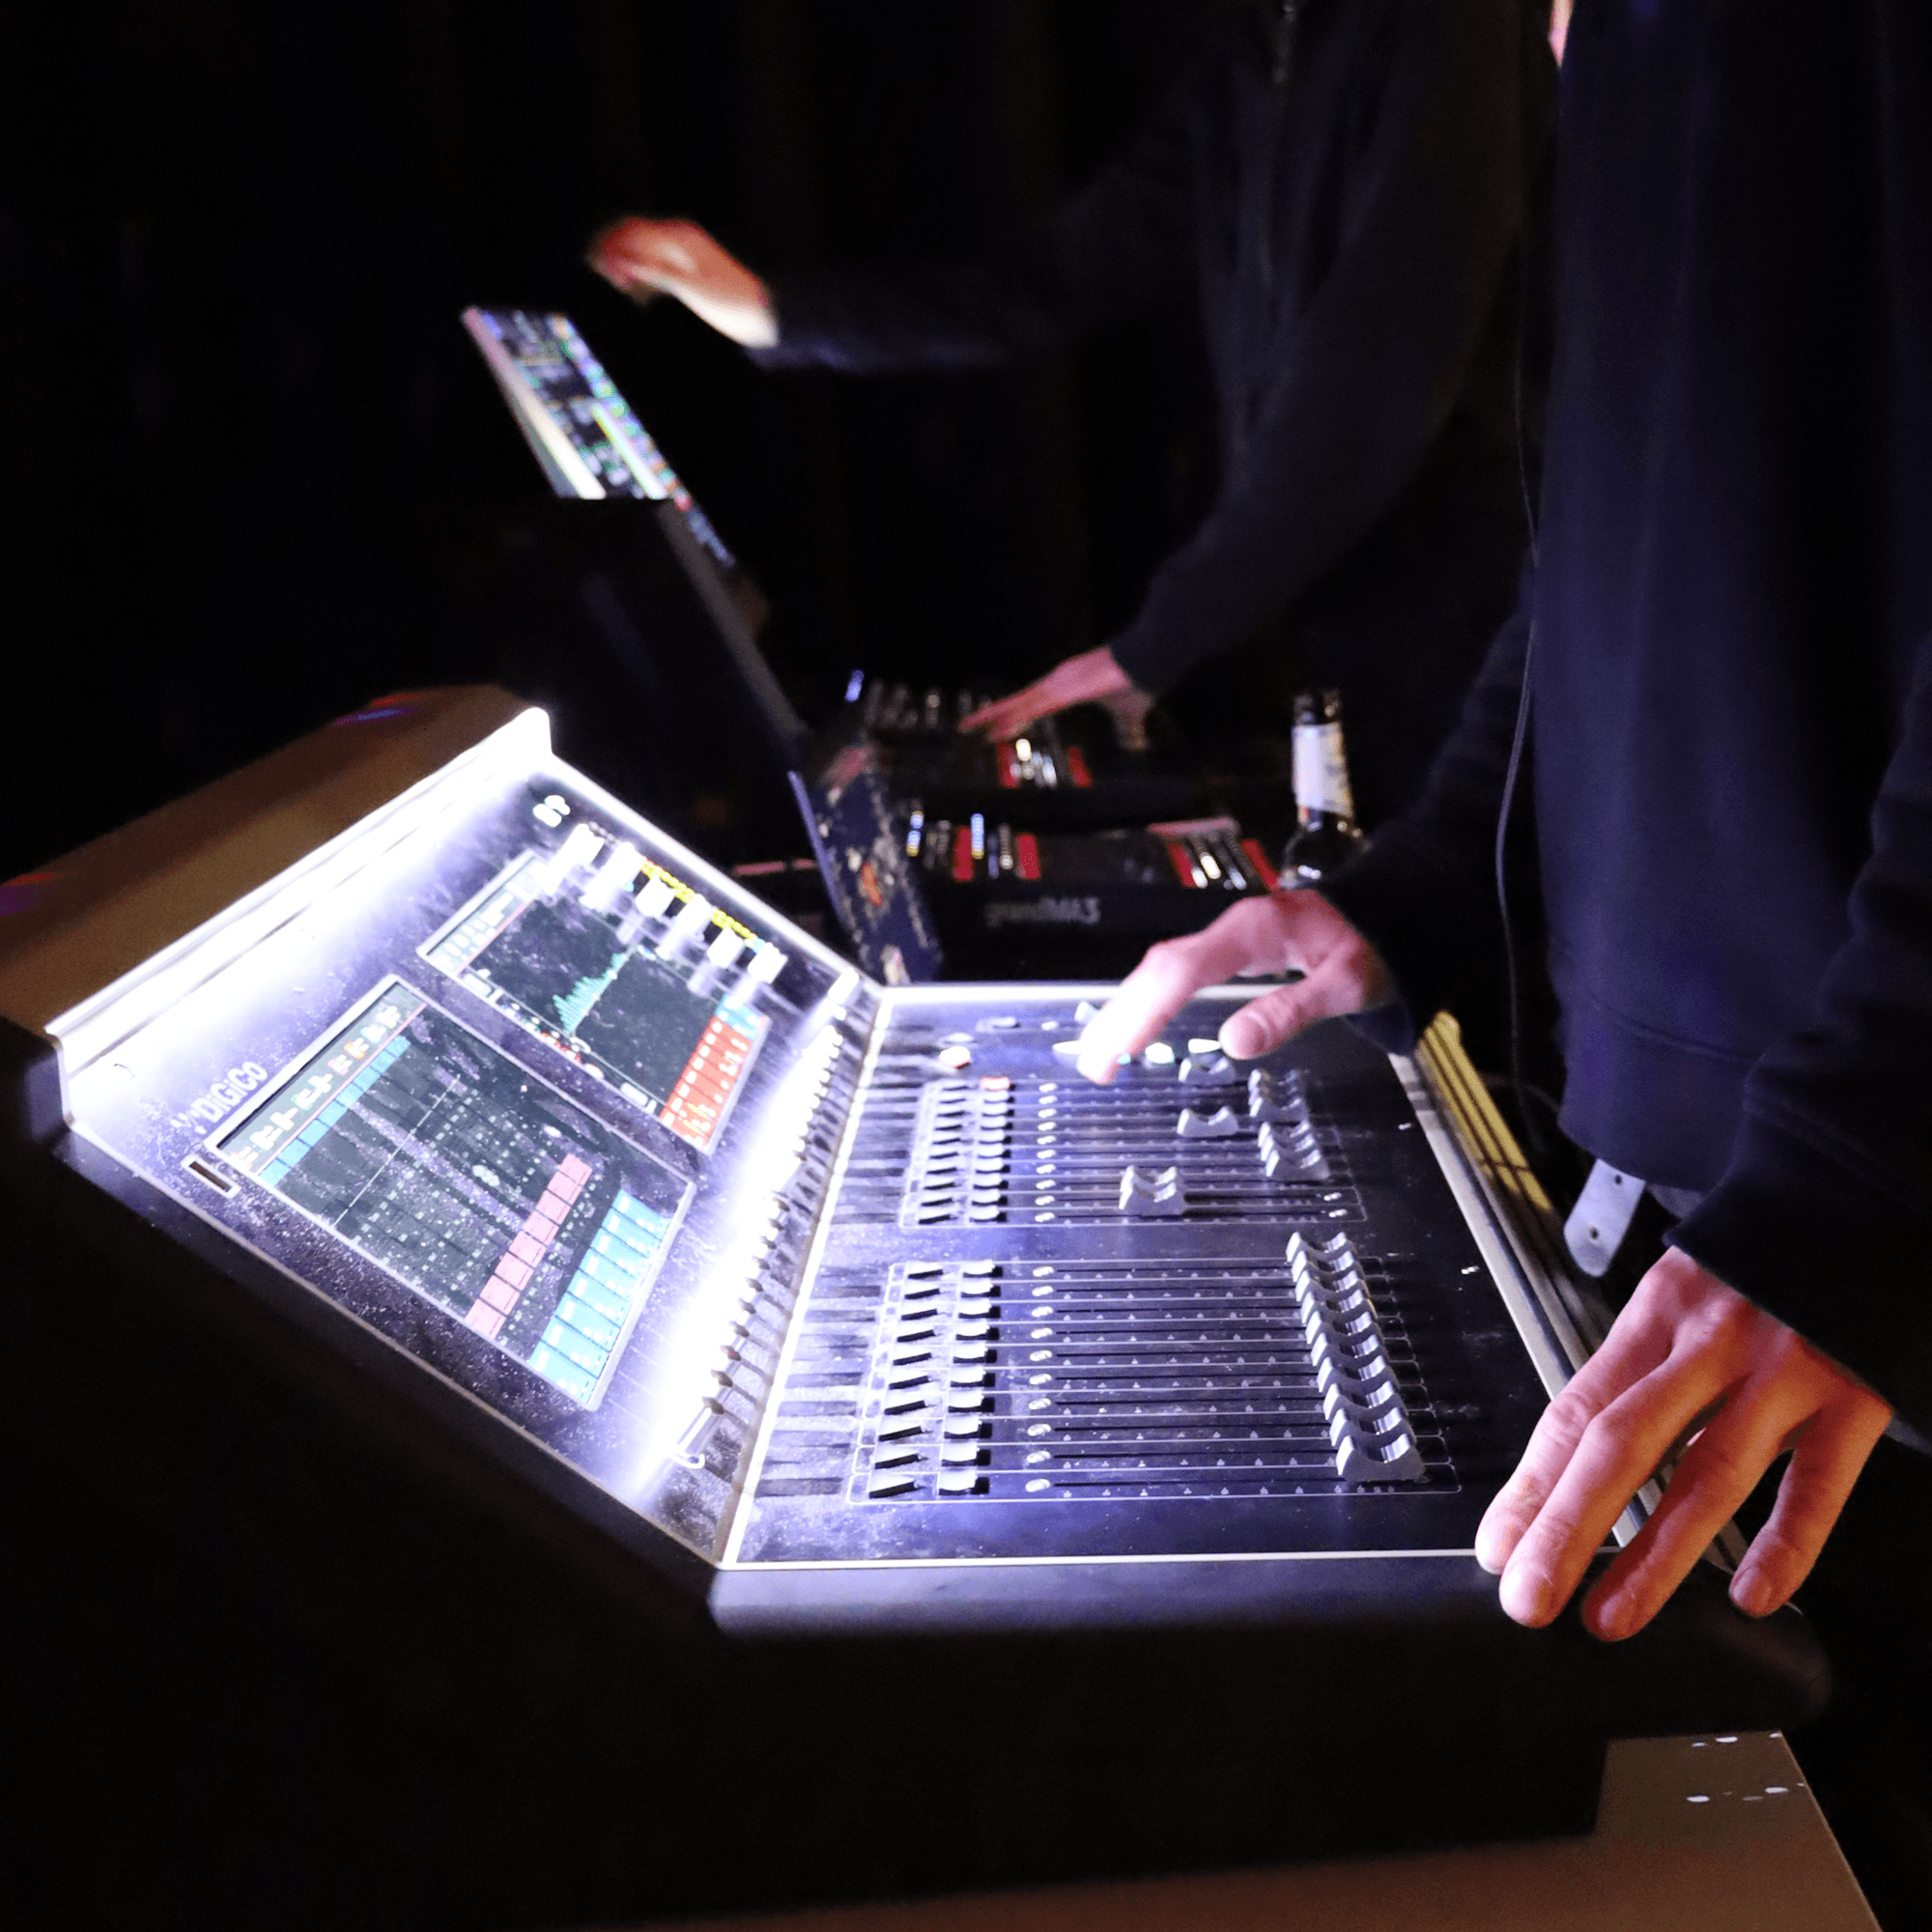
pixel 253 472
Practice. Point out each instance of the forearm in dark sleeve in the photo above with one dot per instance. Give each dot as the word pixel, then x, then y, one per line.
pixel 1424 891
pixel 1824 1215
pixel 1383 353
pixel 1125 241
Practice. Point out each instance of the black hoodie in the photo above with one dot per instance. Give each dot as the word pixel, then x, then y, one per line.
pixel 1732 674
pixel 1344 203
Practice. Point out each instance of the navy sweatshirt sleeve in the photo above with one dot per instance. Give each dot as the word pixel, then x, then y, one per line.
pixel 1424 891
pixel 1824 1215
pixel 1382 351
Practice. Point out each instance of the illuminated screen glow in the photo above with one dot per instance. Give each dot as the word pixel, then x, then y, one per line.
pixel 570 385
pixel 623 967
pixel 469 1180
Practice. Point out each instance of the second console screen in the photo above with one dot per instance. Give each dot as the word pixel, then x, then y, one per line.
pixel 628 971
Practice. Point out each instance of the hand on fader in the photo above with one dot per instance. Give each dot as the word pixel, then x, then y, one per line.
pixel 1684 1346
pixel 679 258
pixel 1288 930
pixel 1091 679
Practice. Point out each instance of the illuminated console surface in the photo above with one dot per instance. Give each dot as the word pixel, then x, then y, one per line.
pixel 812 1278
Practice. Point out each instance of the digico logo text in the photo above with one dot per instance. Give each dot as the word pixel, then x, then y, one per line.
pixel 226 1094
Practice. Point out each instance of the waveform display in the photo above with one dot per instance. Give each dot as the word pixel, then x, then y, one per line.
pixel 573 1006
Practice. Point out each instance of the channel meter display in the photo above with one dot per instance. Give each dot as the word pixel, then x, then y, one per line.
pixel 471 1181
pixel 621 966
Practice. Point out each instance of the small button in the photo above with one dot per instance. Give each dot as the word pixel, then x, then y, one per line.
pixel 956 1058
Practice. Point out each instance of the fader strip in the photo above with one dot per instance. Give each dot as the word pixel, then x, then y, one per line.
pixel 1212 1306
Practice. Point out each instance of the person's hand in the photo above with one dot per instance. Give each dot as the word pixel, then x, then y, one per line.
pixel 1092 677
pixel 678 258
pixel 1686 1350
pixel 1287 929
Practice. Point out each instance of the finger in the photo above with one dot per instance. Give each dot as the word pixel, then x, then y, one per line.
pixel 1008 716
pixel 1618 1450
pixel 1170 974
pixel 1261 1026
pixel 1716 1473
pixel 1824 1463
pixel 1638 1342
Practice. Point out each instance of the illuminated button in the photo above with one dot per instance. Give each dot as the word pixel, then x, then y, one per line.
pixel 956 1058
pixel 983 1214
pixel 980 1269
pixel 596 1328
pixel 958 1428
pixel 1159 1053
pixel 1039 1484
pixel 564 1374
pixel 971 1353
pixel 958 1482
pixel 607 1301
pixel 965 1401
pixel 960 1452
pixel 572 1346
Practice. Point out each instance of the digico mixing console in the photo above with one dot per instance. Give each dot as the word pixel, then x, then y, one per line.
pixel 849 1300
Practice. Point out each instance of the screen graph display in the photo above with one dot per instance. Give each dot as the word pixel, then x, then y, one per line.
pixel 469 1180
pixel 624 968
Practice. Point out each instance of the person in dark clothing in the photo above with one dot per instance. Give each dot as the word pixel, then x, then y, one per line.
pixel 1340 184
pixel 1722 663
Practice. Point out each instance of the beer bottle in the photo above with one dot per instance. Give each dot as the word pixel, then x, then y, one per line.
pixel 1325 832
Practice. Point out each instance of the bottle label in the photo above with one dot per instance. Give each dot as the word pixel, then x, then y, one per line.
pixel 1321 771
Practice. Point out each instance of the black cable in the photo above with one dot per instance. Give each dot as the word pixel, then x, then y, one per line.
pixel 1518 1084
